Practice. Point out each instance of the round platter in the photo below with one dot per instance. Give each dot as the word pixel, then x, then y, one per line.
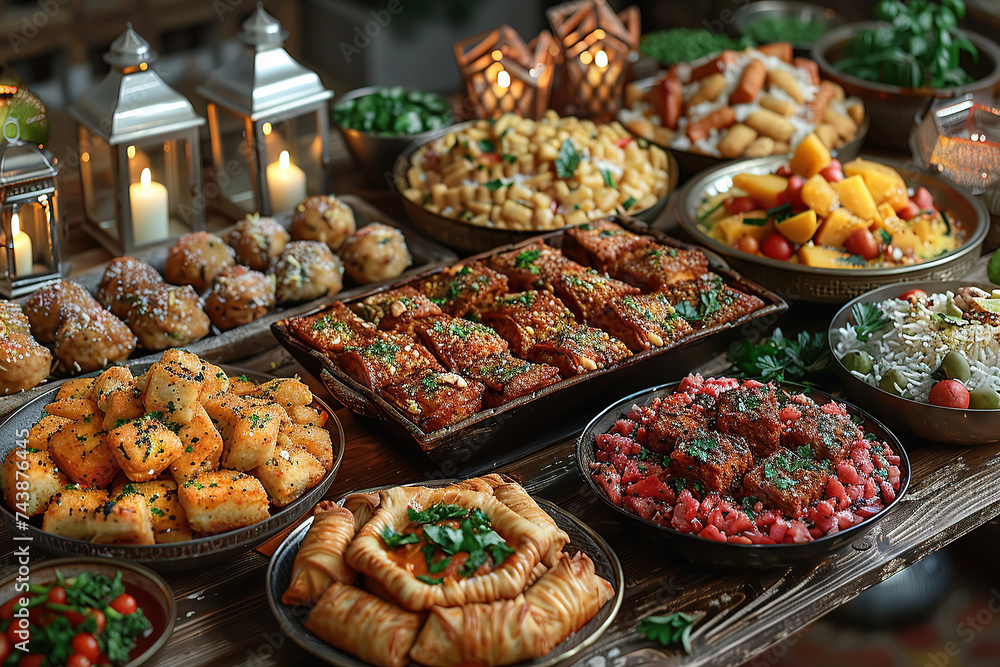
pixel 176 556
pixel 582 538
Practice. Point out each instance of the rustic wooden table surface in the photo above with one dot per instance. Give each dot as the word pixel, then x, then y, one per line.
pixel 223 617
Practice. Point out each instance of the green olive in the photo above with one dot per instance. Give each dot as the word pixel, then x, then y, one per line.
pixel 955 367
pixel 984 398
pixel 893 381
pixel 858 361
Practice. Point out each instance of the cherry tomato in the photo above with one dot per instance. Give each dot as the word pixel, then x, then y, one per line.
pixel 793 193
pixel 31 660
pixel 57 594
pixel 748 244
pixel 78 660
pixel 623 142
pixel 75 618
pixel 734 205
pixel 833 172
pixel 923 199
pixel 4 647
pixel 86 644
pixel 908 212
pixel 777 246
pixel 862 242
pixel 913 295
pixel 124 604
pixel 99 619
pixel 15 634
pixel 7 610
pixel 784 171
pixel 491 158
pixel 949 394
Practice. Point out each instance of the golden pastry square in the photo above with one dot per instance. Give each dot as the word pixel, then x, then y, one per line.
pixel 167 516
pixel 70 510
pixel 223 500
pixel 289 473
pixel 314 439
pixel 39 434
pixel 39 478
pixel 80 451
pixel 144 447
pixel 124 520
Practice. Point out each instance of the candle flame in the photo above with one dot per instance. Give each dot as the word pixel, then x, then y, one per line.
pixel 145 178
pixel 266 129
pixel 497 54
pixel 586 58
pixel 503 79
pixel 284 160
pixel 85 157
pixel 130 151
pixel 15 225
pixel 601 59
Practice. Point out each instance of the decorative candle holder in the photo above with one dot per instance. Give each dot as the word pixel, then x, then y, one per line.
pixel 269 121
pixel 31 218
pixel 595 42
pixel 140 153
pixel 503 74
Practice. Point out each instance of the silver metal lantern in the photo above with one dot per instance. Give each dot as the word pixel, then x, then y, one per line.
pixel 140 153
pixel 268 117
pixel 31 218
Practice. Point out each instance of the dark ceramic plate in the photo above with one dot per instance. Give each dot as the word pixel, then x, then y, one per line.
pixel 703 551
pixel 169 557
pixel 582 538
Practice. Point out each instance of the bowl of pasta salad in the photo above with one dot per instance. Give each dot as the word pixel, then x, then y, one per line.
pixel 481 184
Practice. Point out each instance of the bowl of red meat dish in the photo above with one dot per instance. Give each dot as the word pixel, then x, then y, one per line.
pixel 743 474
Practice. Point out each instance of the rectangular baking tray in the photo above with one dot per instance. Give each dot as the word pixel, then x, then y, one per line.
pixel 495 436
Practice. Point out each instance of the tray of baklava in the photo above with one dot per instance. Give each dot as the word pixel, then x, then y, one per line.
pixel 499 355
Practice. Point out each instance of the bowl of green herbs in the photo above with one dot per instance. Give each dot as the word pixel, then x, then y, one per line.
pixel 378 123
pixel 901 62
pixel 783 21
pixel 682 45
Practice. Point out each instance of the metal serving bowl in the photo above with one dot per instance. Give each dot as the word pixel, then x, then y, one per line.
pixel 376 153
pixel 932 422
pixel 171 556
pixel 703 551
pixel 468 238
pixel 894 110
pixel 785 9
pixel 822 285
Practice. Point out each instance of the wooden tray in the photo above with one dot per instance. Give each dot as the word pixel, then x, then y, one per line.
pixel 225 346
pixel 494 436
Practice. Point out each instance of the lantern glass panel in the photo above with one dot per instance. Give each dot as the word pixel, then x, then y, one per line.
pixel 302 137
pixel 97 175
pixel 169 164
pixel 32 244
pixel 231 157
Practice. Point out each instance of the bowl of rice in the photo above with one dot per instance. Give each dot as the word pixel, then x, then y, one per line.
pixel 891 352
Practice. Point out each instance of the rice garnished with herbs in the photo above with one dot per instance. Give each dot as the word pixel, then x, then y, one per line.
pixel 917 337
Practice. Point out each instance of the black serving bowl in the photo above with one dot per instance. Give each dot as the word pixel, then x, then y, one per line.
pixel 702 551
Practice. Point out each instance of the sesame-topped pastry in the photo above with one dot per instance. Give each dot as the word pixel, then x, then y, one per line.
pixel 257 241
pixel 170 316
pixel 23 362
pixel 323 218
pixel 196 259
pixel 433 399
pixel 464 289
pixel 601 244
pixel 457 342
pixel 306 270
pixel 44 307
pixel 396 309
pixel 239 295
pixel 331 329
pixel 124 280
pixel 527 318
pixel 91 338
pixel 534 266
pixel 374 253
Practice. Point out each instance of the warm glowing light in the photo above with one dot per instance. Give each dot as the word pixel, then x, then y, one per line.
pixel 503 79
pixel 130 151
pixel 85 157
pixel 143 66
pixel 15 225
pixel 586 57
pixel 166 146
pixel 145 178
pixel 266 129
pixel 284 160
pixel 599 34
pixel 497 54
pixel 601 59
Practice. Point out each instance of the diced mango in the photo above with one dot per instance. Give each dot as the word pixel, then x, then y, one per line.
pixel 800 227
pixel 885 211
pixel 929 229
pixel 856 198
pixel 819 195
pixel 813 255
pixel 884 183
pixel 732 229
pixel 906 239
pixel 840 224
pixel 810 157
pixel 763 188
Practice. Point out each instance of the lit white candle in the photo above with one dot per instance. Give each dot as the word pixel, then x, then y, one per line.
pixel 150 210
pixel 23 254
pixel 286 184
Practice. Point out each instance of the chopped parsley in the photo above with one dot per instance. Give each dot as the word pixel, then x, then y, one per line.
pixel 628 203
pixel 494 185
pixel 567 160
pixel 527 259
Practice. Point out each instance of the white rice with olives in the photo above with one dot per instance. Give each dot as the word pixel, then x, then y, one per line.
pixel 919 336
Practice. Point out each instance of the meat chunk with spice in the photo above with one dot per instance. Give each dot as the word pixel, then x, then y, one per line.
pixel 828 435
pixel 586 292
pixel 457 343
pixel 396 309
pixel 642 321
pixel 752 412
pixel 527 318
pixel 601 244
pixel 786 482
pixel 655 266
pixel 578 349
pixel 534 266
pixel 711 461
pixel 708 301
pixel 464 289
pixel 507 378
pixel 677 417
pixel 385 358
pixel 433 399
pixel 331 329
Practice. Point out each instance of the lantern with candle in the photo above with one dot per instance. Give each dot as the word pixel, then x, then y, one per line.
pixel 269 121
pixel 503 74
pixel 596 44
pixel 140 153
pixel 33 225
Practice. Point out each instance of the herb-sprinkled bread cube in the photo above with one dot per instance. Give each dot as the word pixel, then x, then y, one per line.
pixel 223 500
pixel 144 447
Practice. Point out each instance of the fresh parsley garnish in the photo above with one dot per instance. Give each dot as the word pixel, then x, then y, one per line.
pixel 527 259
pixel 394 540
pixel 567 160
pixel 609 178
pixel 672 630
pixel 628 203
pixel 868 319
pixel 432 581
pixel 436 513
pixel 487 146
pixel 494 185
pixel 801 360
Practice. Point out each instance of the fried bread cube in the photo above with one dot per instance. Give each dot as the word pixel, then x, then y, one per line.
pixel 222 500
pixel 507 378
pixel 80 451
pixel 708 301
pixel 655 266
pixel 73 408
pixel 385 358
pixel 464 288
pixel 70 511
pixel 117 396
pixel 397 309
pixel 201 447
pixel 215 381
pixel 457 343
pixel 578 349
pixel 601 244
pixel 288 475
pixel 39 479
pixel 787 482
pixel 286 392
pixel 331 329
pixel 240 385
pixel 249 432
pixel 752 412
pixel 76 388
pixel 307 416
pixel 536 266
pixel 144 447
pixel 642 321
pixel 126 519
pixel 713 462
pixel 586 293
pixel 433 400
pixel 166 513
pixel 527 318
pixel 39 434
pixel 313 438
pixel 173 386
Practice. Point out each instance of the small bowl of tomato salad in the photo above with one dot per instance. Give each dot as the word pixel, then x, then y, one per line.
pixel 84 612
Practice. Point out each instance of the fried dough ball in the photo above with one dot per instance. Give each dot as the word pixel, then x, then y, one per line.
pixel 375 252
pixel 306 270
pixel 257 241
pixel 44 307
pixel 169 316
pixel 323 218
pixel 196 259
pixel 126 279
pixel 91 338
pixel 23 362
pixel 239 296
